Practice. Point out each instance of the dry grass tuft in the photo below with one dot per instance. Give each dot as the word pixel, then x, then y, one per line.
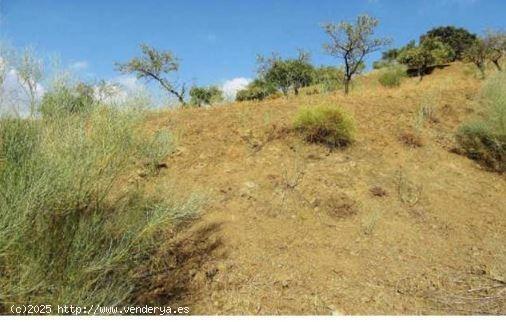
pixel 411 139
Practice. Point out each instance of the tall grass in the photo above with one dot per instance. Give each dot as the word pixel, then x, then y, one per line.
pixel 494 93
pixel 485 140
pixel 72 230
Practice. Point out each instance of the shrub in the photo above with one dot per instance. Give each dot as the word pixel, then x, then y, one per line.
pixel 485 141
pixel 71 229
pixel 325 124
pixel 392 76
pixel 65 99
pixel 205 95
pixel 494 93
pixel 480 143
pixel 256 91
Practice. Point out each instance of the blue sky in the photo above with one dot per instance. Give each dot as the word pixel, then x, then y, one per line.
pixel 217 40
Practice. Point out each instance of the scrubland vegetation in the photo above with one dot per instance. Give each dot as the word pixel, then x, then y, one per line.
pixel 392 76
pixel 83 216
pixel 485 140
pixel 325 124
pixel 76 224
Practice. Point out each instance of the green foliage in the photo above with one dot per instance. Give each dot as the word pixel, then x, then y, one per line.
pixel 155 65
pixel 71 229
pixel 480 143
pixel 256 91
pixel 205 95
pixel 391 56
pixel 430 52
pixel 392 76
pixel 495 42
pixel 287 74
pixel 387 58
pixel 325 124
pixel 329 78
pixel 485 141
pixel 494 94
pixel 352 42
pixel 477 54
pixel 458 39
pixel 381 64
pixel 65 99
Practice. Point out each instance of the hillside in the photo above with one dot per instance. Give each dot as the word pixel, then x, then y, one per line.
pixel 380 227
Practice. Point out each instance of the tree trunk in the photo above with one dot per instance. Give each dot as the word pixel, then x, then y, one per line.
pixel 181 100
pixel 346 86
pixel 296 90
pixel 481 67
pixel 497 65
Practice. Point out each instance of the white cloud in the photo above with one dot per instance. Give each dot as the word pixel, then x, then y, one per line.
pixel 124 91
pixel 14 93
pixel 3 65
pixel 79 65
pixel 231 87
pixel 130 83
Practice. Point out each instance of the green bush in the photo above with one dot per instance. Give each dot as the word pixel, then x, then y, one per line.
pixel 485 141
pixel 200 96
pixel 392 76
pixel 65 99
pixel 494 94
pixel 480 143
pixel 325 124
pixel 72 230
pixel 256 91
pixel 288 74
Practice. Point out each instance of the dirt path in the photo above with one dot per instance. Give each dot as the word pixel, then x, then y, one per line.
pixel 296 229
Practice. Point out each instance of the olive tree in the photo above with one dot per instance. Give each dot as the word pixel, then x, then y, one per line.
pixel 495 42
pixel 286 74
pixel 430 52
pixel 257 90
pixel 155 65
pixel 477 54
pixel 352 42
pixel 459 39
pixel 205 95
